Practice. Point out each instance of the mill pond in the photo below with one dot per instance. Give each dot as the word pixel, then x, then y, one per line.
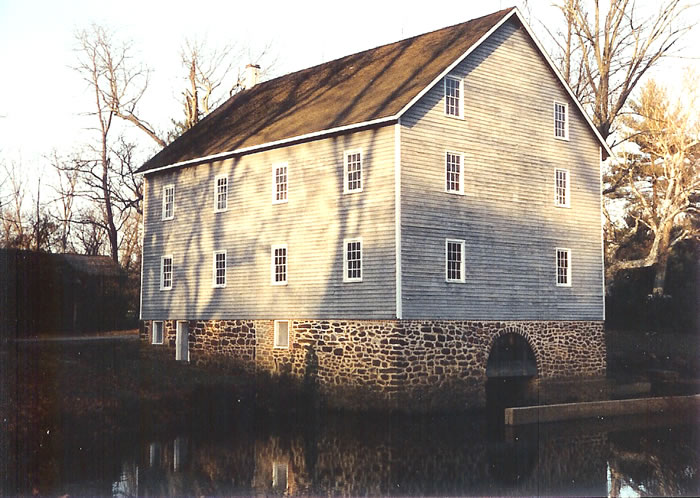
pixel 100 418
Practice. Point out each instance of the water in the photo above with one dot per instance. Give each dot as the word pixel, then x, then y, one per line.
pixel 353 455
pixel 210 443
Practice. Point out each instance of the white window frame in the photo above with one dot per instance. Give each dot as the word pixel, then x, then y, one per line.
pixel 568 267
pixel 218 209
pixel 566 119
pixel 567 188
pixel 153 332
pixel 273 266
pixel 276 343
pixel 162 271
pixel 460 107
pixel 164 203
pixel 345 259
pixel 214 282
pixel 346 182
pixel 274 183
pixel 463 272
pixel 460 191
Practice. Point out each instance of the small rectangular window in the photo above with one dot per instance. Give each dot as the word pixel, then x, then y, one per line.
pixel 166 272
pixel 157 335
pixel 454 175
pixel 352 171
pixel 279 183
pixel 281 333
pixel 221 193
pixel 561 121
pixel 280 472
pixel 168 202
pixel 454 102
pixel 219 270
pixel 454 260
pixel 564 267
pixel 279 265
pixel 561 187
pixel 352 260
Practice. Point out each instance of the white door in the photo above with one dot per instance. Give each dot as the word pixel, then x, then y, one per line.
pixel 182 346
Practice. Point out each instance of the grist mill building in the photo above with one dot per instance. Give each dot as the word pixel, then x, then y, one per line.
pixel 415 218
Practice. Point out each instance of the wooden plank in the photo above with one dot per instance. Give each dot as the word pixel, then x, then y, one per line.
pixel 571 411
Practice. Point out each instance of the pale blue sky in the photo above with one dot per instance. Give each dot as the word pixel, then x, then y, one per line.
pixel 41 98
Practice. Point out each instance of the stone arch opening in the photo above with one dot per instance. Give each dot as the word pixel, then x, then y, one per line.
pixel 511 355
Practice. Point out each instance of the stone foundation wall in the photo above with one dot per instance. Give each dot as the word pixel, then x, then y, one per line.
pixel 425 365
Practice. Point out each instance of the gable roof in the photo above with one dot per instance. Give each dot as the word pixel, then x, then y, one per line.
pixel 368 88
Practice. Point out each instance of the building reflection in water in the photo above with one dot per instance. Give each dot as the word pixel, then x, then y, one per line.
pixel 442 456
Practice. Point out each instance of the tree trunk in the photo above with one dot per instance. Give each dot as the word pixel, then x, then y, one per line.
pixel 662 261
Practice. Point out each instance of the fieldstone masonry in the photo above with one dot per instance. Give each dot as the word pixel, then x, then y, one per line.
pixel 424 364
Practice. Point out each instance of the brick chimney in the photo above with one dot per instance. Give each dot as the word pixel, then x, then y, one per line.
pixel 251 76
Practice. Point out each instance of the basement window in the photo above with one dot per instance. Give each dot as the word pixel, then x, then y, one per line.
pixel 157 333
pixel 282 334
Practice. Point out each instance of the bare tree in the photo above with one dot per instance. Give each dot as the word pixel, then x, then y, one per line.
pixel 65 188
pixel 118 86
pixel 606 50
pixel 210 78
pixel 14 225
pixel 659 185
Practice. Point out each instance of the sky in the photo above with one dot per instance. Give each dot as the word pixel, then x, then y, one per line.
pixel 43 102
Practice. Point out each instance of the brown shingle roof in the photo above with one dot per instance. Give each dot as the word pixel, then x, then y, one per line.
pixel 366 86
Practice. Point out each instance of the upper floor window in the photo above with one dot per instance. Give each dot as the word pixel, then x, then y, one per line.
pixel 563 267
pixel 454 260
pixel 561 187
pixel 279 264
pixel 281 333
pixel 168 202
pixel 157 335
pixel 352 260
pixel 454 172
pixel 454 101
pixel 279 183
pixel 166 272
pixel 352 171
pixel 561 120
pixel 221 193
pixel 219 269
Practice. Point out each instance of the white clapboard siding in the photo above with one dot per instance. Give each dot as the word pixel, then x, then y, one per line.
pixel 313 224
pixel 507 217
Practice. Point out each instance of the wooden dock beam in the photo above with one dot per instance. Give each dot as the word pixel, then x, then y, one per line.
pixel 571 411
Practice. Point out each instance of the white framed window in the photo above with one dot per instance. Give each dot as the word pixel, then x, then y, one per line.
pixel 219 269
pixel 280 471
pixel 168 202
pixel 563 267
pixel 220 193
pixel 561 188
pixel 281 334
pixel 454 260
pixel 561 120
pixel 278 255
pixel 454 97
pixel 352 171
pixel 166 272
pixel 279 182
pixel 157 333
pixel 454 172
pixel 352 260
